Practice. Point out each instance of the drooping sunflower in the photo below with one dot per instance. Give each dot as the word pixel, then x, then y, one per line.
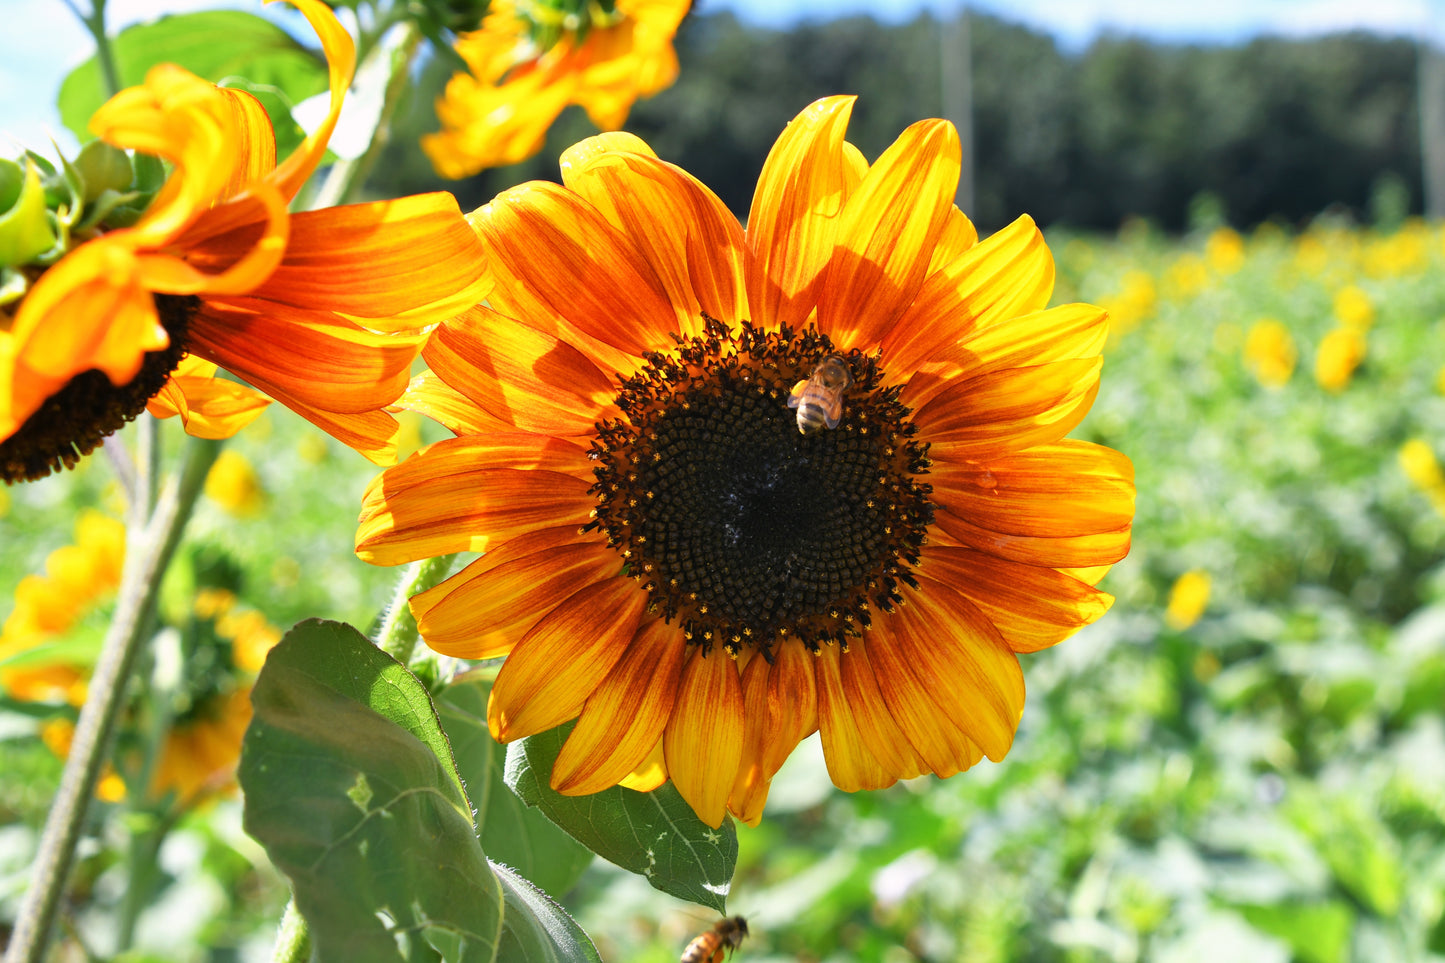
pixel 529 61
pixel 670 558
pixel 303 307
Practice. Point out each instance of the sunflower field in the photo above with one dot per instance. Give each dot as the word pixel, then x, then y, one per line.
pixel 1245 759
pixel 605 574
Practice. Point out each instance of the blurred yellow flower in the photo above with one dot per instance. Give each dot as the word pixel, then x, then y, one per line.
pixel 58 734
pixel 1270 353
pixel 1132 304
pixel 1340 353
pixel 234 485
pixel 77 579
pixel 1353 308
pixel 1187 599
pixel 1310 254
pixel 1400 253
pixel 1418 460
pixel 201 752
pixel 1186 277
pixel 529 61
pixel 1224 250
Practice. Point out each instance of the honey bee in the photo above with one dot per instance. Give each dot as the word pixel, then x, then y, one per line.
pixel 819 400
pixel 726 935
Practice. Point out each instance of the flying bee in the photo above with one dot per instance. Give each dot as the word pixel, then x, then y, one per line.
pixel 819 400
pixel 726 935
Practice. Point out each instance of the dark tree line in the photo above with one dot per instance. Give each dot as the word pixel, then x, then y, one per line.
pixel 1273 129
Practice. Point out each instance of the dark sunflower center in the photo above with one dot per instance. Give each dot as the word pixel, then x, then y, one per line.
pixel 740 525
pixel 74 420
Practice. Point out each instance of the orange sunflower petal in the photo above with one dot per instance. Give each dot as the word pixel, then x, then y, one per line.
pixel 932 732
pixel 520 375
pixel 562 660
pixel 429 396
pixel 341 66
pixel 694 244
pixel 704 738
pixel 209 407
pixel 470 491
pixel 304 358
pixel 780 710
pixel 1016 408
pixel 874 722
pixel 803 187
pixel 650 774
pixel 559 256
pixel 1079 551
pixel 887 233
pixel 1071 488
pixel 483 611
pixel 1033 607
pixel 963 664
pixel 401 263
pixel 1009 274
pixel 851 765
pixel 958 236
pixel 624 718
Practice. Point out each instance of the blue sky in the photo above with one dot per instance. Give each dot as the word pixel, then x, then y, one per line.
pixel 42 41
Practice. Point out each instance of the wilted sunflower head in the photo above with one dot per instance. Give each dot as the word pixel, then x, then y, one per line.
pixel 129 310
pixel 669 559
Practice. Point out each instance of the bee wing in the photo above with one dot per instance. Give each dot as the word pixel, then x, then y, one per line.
pixel 796 397
pixel 833 413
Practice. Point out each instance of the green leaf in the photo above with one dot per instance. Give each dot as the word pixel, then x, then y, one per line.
pixel 349 785
pixel 25 231
pixel 512 833
pixel 1317 932
pixel 103 168
pixel 536 929
pixel 655 834
pixel 213 44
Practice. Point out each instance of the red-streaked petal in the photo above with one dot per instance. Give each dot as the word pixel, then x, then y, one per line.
pixel 484 610
pixel 1006 411
pixel 694 244
pixel 780 710
pixel 209 407
pixel 402 263
pixel 553 253
pixel 1078 551
pixel 881 733
pixel 804 184
pixel 459 494
pixel 962 663
pixel 318 361
pixel 561 661
pixel 1009 274
pixel 851 765
pixel 958 236
pixel 1032 607
pixel 1069 331
pixel 704 738
pixel 1051 491
pixel 433 398
pixel 520 375
pixel 886 235
pixel 624 718
pixel 944 747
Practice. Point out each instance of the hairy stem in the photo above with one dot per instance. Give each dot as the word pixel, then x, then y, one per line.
pixel 397 636
pixel 148 553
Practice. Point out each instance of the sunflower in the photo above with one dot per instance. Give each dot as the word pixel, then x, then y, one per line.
pixel 699 573
pixel 217 273
pixel 529 61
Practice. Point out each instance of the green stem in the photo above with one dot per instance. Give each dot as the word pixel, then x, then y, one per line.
pixel 397 636
pixel 293 940
pixel 148 553
pixel 104 55
pixel 346 177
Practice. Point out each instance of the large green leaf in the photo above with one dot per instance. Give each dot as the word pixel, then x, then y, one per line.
pixel 536 929
pixel 1317 932
pixel 655 834
pixel 349 785
pixel 512 833
pixel 213 44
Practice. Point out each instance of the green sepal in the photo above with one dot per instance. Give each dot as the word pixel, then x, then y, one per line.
pixel 26 226
pixel 103 168
pixel 13 285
